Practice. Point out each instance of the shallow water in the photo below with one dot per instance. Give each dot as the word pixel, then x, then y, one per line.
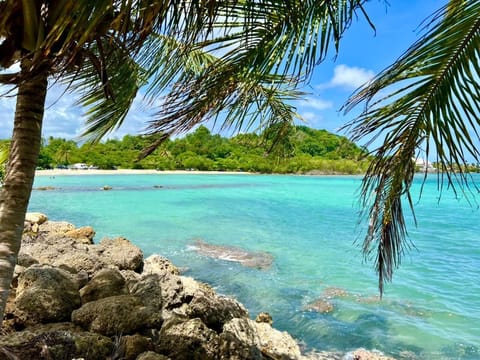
pixel 309 225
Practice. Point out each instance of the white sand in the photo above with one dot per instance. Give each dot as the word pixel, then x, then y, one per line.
pixel 58 172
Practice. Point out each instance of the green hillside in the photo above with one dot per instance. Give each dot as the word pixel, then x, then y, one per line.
pixel 300 149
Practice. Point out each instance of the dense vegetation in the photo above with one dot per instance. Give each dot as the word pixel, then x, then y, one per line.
pixel 303 150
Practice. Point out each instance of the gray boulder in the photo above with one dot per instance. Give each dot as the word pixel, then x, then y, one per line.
pixel 84 234
pixel 106 282
pixel 156 264
pixel 150 355
pixel 45 294
pixel 55 341
pixel 215 310
pixel 276 344
pixel 60 244
pixel 122 314
pixel 131 346
pixel 121 253
pixel 148 290
pixel 188 340
pixel 239 341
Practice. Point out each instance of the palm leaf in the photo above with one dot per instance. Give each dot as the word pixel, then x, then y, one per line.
pixel 426 102
pixel 288 37
pixel 264 48
pixel 108 84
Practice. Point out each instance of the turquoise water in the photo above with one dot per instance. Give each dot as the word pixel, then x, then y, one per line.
pixel 309 225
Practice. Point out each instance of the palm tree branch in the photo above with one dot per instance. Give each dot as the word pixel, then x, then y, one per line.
pixel 431 108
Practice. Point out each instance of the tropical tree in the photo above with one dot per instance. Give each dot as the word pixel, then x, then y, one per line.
pixel 425 104
pixel 205 57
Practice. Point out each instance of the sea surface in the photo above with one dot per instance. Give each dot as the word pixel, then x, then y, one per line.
pixel 309 225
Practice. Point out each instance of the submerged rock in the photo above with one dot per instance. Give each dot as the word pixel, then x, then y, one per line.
pixel 333 292
pixel 44 188
pixel 362 354
pixel 258 260
pixel 321 306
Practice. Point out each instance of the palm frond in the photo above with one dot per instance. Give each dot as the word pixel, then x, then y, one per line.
pixel 431 105
pixel 220 92
pixel 288 37
pixel 108 83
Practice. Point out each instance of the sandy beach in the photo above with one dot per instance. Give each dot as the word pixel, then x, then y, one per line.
pixel 61 172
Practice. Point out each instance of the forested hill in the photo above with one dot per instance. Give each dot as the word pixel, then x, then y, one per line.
pixel 300 150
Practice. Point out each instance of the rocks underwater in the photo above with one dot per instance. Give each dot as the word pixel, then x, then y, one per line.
pixel 74 299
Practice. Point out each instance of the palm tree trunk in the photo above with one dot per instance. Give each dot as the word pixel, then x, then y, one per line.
pixel 20 172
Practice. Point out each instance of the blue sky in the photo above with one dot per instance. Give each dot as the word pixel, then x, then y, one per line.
pixel 362 53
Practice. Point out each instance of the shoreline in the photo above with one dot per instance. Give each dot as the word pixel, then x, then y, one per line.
pixel 61 172
pixel 71 172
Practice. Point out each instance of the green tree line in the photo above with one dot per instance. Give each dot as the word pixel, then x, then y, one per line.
pixel 303 150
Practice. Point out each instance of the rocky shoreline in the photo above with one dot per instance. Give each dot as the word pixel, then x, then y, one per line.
pixel 74 299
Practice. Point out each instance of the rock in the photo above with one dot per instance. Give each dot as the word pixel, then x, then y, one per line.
pixel 121 253
pixel 149 291
pixel 188 340
pixel 172 291
pixel 239 340
pixel 324 355
pixel 54 228
pixel 107 187
pixel 215 310
pixel 243 338
pixel 157 264
pixel 362 354
pixel 131 346
pixel 45 294
pixel 54 341
pixel 192 286
pixel 44 188
pixel 122 314
pixel 258 260
pixel 57 249
pixel 26 260
pixel 333 292
pixel 150 355
pixel 264 317
pixel 84 234
pixel 35 218
pixel 276 344
pixel 105 283
pixel 321 306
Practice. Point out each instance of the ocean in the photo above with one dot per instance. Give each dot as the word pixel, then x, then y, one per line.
pixel 309 226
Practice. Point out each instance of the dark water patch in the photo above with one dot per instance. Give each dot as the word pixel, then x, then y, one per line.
pixel 257 260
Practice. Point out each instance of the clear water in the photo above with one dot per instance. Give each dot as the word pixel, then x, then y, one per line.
pixel 309 225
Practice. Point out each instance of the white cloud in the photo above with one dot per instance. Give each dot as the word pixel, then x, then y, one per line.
pixel 317 104
pixel 311 118
pixel 350 77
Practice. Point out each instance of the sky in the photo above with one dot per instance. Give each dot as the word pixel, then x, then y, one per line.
pixel 363 52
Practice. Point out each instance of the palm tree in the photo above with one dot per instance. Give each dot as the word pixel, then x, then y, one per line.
pixel 203 57
pixel 425 104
